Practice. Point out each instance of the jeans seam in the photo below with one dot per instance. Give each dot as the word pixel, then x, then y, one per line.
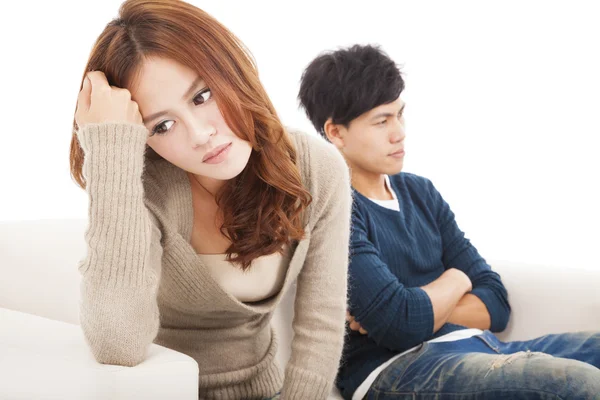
pixel 487 343
pixel 425 348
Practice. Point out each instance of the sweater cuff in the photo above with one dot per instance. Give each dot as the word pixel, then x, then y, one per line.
pixel 300 384
pixel 489 299
pixel 113 139
pixel 422 308
pixel 113 155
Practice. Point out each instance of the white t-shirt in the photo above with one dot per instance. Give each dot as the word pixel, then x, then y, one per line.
pixel 263 280
pixel 391 204
pixel 364 387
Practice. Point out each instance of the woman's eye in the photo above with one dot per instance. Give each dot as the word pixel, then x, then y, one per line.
pixel 382 122
pixel 202 97
pixel 162 128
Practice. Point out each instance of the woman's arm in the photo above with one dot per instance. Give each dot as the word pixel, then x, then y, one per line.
pixel 320 305
pixel 121 271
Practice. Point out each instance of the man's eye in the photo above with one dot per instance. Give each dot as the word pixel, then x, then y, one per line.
pixel 162 128
pixel 382 122
pixel 202 97
pixel 401 113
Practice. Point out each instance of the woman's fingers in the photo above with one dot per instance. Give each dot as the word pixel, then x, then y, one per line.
pixel 99 82
pixel 100 102
pixel 83 100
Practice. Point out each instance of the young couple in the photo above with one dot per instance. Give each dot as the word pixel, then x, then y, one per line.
pixel 204 209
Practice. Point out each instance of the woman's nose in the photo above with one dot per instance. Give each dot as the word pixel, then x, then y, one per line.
pixel 200 133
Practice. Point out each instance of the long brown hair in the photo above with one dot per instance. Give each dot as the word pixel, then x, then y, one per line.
pixel 262 207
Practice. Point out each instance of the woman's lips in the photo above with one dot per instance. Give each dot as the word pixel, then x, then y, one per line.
pixel 217 155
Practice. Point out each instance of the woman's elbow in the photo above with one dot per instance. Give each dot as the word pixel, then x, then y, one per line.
pixel 115 347
pixel 111 354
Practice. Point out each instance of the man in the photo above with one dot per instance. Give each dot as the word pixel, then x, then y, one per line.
pixel 422 302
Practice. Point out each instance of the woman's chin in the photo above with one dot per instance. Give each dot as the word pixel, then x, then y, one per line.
pixel 222 172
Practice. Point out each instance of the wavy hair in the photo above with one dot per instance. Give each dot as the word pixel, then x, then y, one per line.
pixel 263 205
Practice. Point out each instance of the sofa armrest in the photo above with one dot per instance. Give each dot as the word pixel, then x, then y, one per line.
pixel 42 358
pixel 548 299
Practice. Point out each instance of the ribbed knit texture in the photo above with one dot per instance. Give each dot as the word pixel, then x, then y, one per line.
pixel 143 282
pixel 393 254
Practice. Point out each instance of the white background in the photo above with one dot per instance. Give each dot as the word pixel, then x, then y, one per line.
pixel 503 105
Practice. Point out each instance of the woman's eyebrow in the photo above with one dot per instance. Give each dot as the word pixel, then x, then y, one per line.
pixel 187 94
pixel 192 87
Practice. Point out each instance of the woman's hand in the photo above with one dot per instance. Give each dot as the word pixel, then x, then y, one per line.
pixel 98 102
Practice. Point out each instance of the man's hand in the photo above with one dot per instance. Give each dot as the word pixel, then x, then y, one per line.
pixel 354 325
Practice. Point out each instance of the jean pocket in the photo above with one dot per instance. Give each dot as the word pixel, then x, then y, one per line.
pixel 490 340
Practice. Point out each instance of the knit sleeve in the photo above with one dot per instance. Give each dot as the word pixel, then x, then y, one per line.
pixel 121 270
pixel 320 305
pixel 459 253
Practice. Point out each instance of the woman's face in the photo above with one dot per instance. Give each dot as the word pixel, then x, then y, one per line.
pixel 186 126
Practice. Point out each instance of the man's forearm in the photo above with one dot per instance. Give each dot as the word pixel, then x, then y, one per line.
pixel 471 312
pixel 445 293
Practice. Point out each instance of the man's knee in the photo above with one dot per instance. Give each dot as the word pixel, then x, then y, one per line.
pixel 568 379
pixel 582 381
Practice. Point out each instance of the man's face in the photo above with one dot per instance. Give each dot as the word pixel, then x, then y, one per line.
pixel 374 142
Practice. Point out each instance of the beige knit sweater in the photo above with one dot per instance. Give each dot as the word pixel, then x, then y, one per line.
pixel 144 283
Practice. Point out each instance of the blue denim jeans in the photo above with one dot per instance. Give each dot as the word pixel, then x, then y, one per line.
pixel 564 366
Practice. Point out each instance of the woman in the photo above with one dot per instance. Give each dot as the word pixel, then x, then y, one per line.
pixel 204 210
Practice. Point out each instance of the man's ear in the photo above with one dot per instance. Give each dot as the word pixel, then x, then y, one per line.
pixel 335 133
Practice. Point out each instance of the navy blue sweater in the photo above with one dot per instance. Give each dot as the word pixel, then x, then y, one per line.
pixel 393 254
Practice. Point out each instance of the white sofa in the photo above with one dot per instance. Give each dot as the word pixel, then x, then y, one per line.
pixel 43 354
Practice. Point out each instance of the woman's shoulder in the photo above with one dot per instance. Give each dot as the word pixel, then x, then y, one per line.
pixel 319 161
pixel 324 172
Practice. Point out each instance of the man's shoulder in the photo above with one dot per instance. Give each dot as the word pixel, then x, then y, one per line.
pixel 403 182
pixel 411 182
